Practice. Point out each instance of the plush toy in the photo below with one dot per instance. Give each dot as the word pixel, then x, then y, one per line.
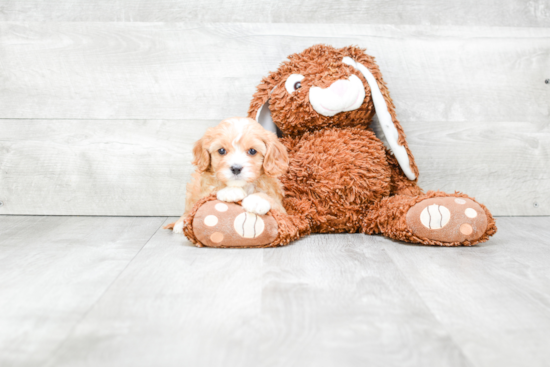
pixel 341 177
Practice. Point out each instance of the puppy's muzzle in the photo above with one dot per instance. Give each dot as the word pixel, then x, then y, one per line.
pixel 236 170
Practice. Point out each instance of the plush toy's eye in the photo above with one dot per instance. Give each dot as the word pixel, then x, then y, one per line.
pixel 252 151
pixel 221 151
pixel 293 82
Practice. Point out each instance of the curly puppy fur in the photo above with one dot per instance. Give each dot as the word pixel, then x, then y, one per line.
pixel 226 166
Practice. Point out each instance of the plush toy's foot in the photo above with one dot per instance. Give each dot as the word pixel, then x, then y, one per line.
pixel 214 223
pixel 219 224
pixel 447 219
pixel 434 218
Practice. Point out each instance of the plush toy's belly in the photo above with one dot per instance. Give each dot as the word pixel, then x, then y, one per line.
pixel 334 175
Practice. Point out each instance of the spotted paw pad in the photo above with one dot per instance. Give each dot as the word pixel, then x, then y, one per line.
pixel 447 219
pixel 219 224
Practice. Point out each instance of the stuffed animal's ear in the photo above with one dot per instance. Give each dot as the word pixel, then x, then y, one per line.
pixel 263 116
pixel 201 156
pixel 385 111
pixel 259 110
pixel 276 157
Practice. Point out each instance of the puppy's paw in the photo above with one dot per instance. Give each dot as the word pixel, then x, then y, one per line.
pixel 178 227
pixel 231 194
pixel 255 204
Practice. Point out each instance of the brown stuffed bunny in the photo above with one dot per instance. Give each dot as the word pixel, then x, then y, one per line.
pixel 341 178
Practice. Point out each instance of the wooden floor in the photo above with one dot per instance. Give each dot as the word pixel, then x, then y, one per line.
pixel 120 291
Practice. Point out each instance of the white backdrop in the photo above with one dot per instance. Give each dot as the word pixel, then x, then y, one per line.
pixel 101 101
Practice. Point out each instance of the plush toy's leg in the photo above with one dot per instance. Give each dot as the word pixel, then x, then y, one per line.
pixel 213 223
pixel 434 218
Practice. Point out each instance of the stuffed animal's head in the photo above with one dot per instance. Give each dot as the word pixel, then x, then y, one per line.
pixel 324 87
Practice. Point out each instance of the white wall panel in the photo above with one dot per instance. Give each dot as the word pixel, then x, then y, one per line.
pixel 186 71
pixel 519 13
pixel 140 167
pixel 99 118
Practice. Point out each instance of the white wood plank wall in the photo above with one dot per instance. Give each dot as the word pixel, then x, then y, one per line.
pixel 515 13
pixel 100 101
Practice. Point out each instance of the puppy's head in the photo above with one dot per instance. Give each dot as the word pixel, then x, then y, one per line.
pixel 239 150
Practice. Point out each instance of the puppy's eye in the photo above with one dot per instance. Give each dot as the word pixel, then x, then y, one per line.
pixel 293 82
pixel 252 151
pixel 221 151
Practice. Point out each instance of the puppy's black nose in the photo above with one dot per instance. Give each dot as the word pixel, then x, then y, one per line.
pixel 236 169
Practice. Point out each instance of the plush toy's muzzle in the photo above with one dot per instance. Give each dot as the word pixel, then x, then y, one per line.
pixel 343 95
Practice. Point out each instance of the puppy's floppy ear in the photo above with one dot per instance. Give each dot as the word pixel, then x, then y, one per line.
pixel 201 156
pixel 276 157
pixel 384 107
pixel 259 107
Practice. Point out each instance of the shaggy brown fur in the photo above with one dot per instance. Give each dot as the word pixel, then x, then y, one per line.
pixel 341 178
pixel 321 65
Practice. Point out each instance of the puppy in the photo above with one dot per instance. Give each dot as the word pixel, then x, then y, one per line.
pixel 239 160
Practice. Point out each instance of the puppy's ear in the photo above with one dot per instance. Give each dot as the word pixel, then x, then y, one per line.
pixel 259 107
pixel 201 156
pixel 384 107
pixel 276 157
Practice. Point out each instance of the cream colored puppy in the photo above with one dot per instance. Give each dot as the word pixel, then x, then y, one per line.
pixel 239 160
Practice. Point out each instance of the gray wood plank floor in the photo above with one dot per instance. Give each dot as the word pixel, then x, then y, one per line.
pixel 120 291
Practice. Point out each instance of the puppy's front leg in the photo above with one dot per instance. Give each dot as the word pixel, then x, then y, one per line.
pixel 231 194
pixel 258 203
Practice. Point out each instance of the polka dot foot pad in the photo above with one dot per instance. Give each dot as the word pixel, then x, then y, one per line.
pixel 447 219
pixel 219 224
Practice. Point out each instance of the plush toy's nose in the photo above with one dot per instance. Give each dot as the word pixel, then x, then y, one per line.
pixel 341 96
pixel 339 87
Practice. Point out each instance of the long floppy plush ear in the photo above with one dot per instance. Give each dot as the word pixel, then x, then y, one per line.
pixel 259 108
pixel 276 157
pixel 201 156
pixel 384 109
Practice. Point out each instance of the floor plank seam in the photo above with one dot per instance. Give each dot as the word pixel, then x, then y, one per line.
pixel 60 346
pixel 443 326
